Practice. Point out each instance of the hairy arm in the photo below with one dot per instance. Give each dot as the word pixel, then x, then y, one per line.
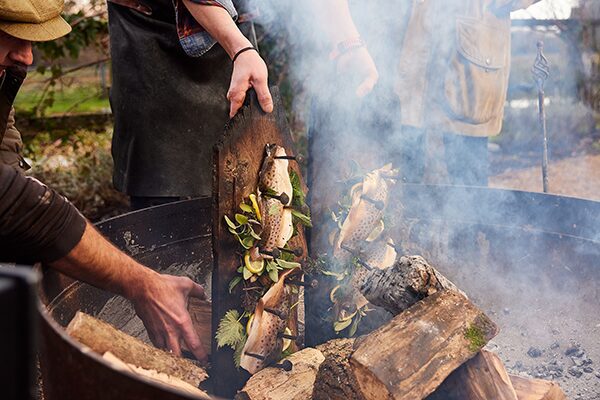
pixel 249 70
pixel 159 300
pixel 37 224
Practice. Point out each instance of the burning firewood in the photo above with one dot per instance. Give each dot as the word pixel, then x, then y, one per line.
pixel 102 337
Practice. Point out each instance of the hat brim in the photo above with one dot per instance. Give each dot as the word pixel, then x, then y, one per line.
pixel 49 30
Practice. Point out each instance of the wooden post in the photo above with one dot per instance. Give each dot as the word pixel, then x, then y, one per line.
pixel 237 161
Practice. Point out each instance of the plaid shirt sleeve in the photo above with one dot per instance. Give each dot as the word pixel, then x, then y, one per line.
pixel 192 36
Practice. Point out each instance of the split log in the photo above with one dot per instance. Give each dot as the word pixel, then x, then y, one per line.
pixel 409 280
pixel 154 376
pixel 275 383
pixel 335 380
pixel 201 314
pixel 536 389
pixel 102 337
pixel 409 357
pixel 481 378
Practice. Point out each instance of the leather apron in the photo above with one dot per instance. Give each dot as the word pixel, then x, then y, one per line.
pixel 169 109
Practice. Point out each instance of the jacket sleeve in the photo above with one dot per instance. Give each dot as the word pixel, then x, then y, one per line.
pixel 36 223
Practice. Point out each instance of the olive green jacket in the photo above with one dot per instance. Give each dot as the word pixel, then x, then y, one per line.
pixel 454 65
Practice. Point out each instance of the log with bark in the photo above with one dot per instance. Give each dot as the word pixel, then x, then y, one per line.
pixel 102 337
pixel 482 377
pixel 409 280
pixel 536 389
pixel 409 357
pixel 335 380
pixel 275 383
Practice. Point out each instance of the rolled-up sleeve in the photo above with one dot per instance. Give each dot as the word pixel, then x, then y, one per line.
pixel 36 223
pixel 193 37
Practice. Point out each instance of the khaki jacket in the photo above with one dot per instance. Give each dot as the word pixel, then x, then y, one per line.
pixel 454 65
pixel 11 146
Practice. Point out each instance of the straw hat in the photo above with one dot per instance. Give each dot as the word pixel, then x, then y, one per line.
pixel 34 20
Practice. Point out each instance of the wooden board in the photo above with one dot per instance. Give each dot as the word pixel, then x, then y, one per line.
pixel 536 389
pixel 102 337
pixel 276 384
pixel 410 356
pixel 483 377
pixel 237 161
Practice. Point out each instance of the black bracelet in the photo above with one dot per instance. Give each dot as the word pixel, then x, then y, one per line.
pixel 241 51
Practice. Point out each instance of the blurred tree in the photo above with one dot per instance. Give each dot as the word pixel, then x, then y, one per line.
pixel 90 28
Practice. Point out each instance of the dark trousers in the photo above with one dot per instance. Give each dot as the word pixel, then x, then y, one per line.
pixel 465 157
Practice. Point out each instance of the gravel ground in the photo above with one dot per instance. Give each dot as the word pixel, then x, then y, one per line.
pixel 566 346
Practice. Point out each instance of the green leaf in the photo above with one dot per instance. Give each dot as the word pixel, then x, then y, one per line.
pixel 247 274
pixel 237 354
pixel 288 264
pixel 354 326
pixel 339 326
pixel 274 275
pixel 246 208
pixel 338 276
pixel 234 282
pixel 271 266
pixel 230 222
pixel 304 219
pixel 252 233
pixel 230 331
pixel 241 219
pixel 298 195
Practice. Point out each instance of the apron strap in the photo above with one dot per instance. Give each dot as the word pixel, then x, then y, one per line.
pixel 9 87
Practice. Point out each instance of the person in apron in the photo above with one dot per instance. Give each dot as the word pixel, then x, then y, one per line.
pixel 170 90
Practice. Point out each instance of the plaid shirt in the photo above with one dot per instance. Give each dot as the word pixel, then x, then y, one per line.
pixel 193 37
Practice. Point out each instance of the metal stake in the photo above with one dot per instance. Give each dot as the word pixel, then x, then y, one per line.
pixel 541 72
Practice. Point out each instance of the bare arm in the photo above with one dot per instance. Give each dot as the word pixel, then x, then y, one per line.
pixel 335 17
pixel 159 300
pixel 249 69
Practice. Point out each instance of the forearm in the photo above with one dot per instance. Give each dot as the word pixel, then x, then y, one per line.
pixel 513 5
pixel 335 17
pixel 97 261
pixel 218 23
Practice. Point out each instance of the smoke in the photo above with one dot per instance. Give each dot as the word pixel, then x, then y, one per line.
pixel 530 261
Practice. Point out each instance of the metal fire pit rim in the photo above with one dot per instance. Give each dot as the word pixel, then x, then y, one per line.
pixel 87 352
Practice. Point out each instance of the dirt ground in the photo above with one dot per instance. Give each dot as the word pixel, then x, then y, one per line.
pixel 561 349
pixel 577 176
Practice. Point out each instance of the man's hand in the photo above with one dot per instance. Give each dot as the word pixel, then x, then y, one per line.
pixel 357 65
pixel 161 302
pixel 249 70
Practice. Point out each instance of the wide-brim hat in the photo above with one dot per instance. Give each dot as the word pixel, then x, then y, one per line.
pixel 33 20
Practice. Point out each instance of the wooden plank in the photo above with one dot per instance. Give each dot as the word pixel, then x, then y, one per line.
pixel 237 161
pixel 275 383
pixel 483 377
pixel 102 337
pixel 536 389
pixel 409 357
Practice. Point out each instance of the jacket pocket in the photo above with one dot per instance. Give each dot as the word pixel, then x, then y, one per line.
pixel 476 80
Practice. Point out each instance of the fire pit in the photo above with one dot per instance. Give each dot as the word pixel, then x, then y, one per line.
pixel 529 260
